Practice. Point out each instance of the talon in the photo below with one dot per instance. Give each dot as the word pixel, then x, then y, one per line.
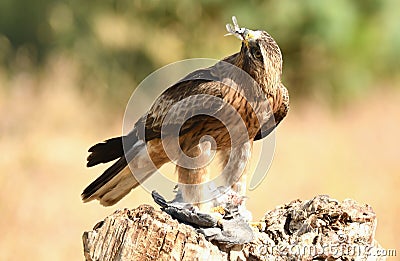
pixel 218 213
pixel 219 222
pixel 261 226
pixel 219 209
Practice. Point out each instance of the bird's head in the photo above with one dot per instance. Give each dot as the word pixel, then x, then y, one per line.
pixel 259 56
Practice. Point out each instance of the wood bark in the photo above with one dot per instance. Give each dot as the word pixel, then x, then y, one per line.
pixel 318 229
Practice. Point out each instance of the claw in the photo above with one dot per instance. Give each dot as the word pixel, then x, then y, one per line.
pixel 261 226
pixel 219 209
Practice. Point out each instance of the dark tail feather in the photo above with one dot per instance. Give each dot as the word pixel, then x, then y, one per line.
pixel 110 173
pixel 106 151
pixel 116 181
pixel 110 149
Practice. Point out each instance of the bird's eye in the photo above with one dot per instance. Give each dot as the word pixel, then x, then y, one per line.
pixel 257 54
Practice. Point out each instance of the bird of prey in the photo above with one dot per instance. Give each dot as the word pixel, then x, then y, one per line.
pixel 244 89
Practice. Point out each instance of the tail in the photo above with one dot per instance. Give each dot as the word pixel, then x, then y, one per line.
pixel 117 180
pixel 110 149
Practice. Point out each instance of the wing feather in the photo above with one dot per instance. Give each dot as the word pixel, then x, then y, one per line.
pixel 198 93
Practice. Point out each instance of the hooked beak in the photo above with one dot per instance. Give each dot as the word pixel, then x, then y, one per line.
pixel 248 36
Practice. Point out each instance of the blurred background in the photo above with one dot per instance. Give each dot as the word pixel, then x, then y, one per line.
pixel 68 68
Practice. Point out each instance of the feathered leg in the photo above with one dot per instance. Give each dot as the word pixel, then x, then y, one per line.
pixel 236 162
pixel 191 179
pixel 235 165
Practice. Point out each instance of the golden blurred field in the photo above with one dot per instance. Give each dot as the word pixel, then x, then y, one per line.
pixel 45 133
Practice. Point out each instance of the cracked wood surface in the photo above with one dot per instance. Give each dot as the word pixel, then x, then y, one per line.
pixel 145 234
pixel 321 228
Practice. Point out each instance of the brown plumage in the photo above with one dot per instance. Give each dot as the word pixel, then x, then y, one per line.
pixel 215 91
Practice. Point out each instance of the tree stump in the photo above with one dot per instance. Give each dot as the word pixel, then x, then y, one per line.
pixel 318 229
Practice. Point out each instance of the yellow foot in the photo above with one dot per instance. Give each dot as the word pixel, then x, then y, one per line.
pixel 259 225
pixel 219 209
pixel 218 212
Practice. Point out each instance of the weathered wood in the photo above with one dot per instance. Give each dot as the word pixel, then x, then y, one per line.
pixel 321 228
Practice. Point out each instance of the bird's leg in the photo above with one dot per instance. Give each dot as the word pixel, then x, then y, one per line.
pixel 193 192
pixel 236 162
pixel 191 181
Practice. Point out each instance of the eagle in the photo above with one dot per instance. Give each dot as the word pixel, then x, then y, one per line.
pixel 223 108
